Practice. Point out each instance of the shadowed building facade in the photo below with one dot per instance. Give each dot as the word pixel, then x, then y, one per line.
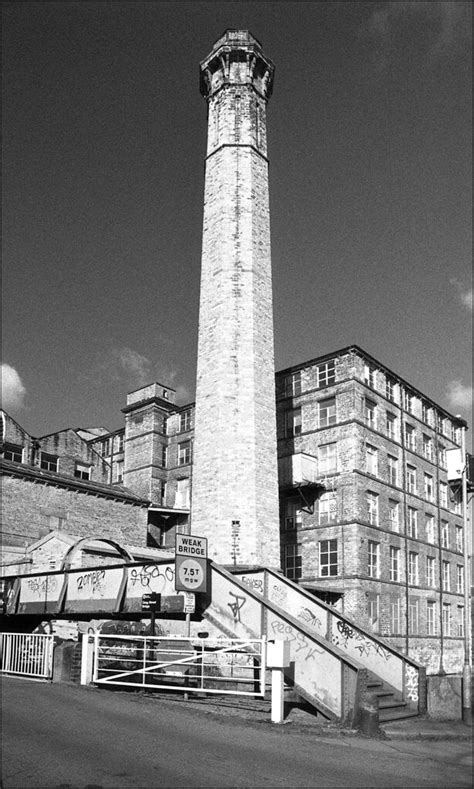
pixel 235 478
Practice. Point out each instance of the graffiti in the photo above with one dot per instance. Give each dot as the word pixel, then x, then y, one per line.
pixel 297 639
pixel 41 586
pixel 151 575
pixel 309 618
pixel 279 596
pixel 358 641
pixel 411 682
pixel 256 584
pixel 236 606
pixel 93 579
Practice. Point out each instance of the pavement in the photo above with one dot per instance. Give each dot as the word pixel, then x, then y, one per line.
pixel 303 717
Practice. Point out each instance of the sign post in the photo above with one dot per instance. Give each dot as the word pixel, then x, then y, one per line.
pixel 191 570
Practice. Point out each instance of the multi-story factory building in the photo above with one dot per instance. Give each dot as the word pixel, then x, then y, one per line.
pixel 369 520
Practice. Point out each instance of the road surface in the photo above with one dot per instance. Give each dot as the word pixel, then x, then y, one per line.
pixel 72 737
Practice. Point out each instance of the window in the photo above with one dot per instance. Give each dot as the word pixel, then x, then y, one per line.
pixel 428 487
pixel 326 374
pixel 427 447
pixel 327 412
pixel 442 456
pixel 293 384
pixel 413 615
pixel 444 534
pixel 104 447
pixel 447 619
pixel 373 550
pixel 410 437
pixel 460 622
pixel 412 522
pixel 48 462
pixel 431 617
pixel 412 568
pixel 82 471
pixel 369 413
pixel 373 611
pixel 292 561
pixel 392 470
pixel 372 500
pixel 425 413
pixel 184 453
pixel 411 479
pixel 327 509
pixel 446 576
pixel 459 539
pixel 293 422
pixel 443 494
pixel 327 458
pixel 395 616
pixel 328 558
pixel 164 456
pixel 184 421
pixel 13 452
pixel 120 438
pixel 408 401
pixel 394 563
pixel 119 471
pixel 182 494
pixel 369 375
pixel 371 460
pixel 292 515
pixel 391 426
pixel 390 388
pixel 394 514
pixel 430 529
pixel 459 579
pixel 430 571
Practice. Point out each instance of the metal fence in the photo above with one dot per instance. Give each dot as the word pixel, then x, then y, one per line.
pixel 207 665
pixel 27 654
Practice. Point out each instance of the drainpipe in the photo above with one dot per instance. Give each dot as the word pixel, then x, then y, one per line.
pixel 440 557
pixel 466 674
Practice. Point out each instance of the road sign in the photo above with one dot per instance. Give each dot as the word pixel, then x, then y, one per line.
pixel 192 546
pixel 151 601
pixel 189 602
pixel 191 563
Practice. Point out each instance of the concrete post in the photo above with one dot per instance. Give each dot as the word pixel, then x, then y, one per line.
pixel 87 659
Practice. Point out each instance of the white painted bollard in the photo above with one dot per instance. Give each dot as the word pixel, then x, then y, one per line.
pixel 278 658
pixel 87 659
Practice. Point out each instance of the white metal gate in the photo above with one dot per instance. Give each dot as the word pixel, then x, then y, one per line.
pixel 27 654
pixel 207 665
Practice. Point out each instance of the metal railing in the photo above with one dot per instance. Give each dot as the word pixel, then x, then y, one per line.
pixel 206 665
pixel 27 654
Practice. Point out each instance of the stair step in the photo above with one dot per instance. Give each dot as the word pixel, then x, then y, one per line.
pixel 396 714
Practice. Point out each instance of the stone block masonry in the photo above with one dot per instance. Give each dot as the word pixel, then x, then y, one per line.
pixel 235 481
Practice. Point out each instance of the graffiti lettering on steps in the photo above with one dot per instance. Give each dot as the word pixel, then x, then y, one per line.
pixel 41 586
pixel 236 605
pixel 93 580
pixel 256 584
pixel 151 575
pixel 299 640
pixel 309 617
pixel 357 640
pixel 279 596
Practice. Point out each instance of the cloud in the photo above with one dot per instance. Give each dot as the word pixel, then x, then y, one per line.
pixel 459 395
pixel 435 29
pixel 13 391
pixel 134 364
pixel 465 294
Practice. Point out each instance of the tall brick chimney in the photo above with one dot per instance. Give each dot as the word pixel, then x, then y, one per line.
pixel 235 480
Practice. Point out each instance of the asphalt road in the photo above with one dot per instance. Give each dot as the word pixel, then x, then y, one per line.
pixel 69 737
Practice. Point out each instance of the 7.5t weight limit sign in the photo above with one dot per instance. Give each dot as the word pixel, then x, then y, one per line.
pixel 191 563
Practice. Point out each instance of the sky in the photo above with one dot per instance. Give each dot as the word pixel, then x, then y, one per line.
pixel 104 136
